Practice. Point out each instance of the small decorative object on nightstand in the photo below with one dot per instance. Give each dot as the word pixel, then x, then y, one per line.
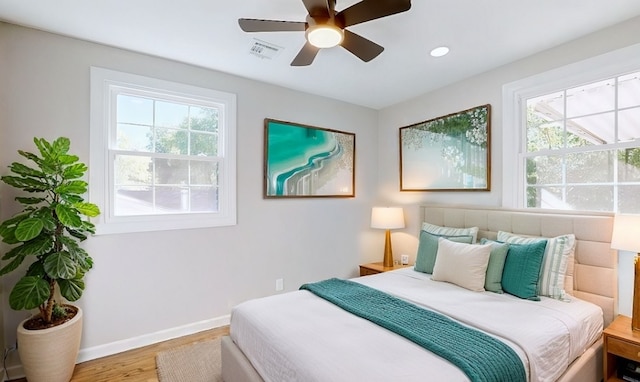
pixel 621 351
pixel 374 268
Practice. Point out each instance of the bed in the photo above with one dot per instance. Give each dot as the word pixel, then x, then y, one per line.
pixel 299 336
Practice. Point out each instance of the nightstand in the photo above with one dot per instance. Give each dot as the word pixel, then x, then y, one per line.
pixel 620 344
pixel 373 268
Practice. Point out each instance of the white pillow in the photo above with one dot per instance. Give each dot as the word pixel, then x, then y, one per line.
pixel 557 255
pixel 449 231
pixel 462 264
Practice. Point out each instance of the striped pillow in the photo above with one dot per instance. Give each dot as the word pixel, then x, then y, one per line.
pixel 554 263
pixel 448 231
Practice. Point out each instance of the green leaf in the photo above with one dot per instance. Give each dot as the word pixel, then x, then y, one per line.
pixel 71 289
pixel 36 269
pixel 29 293
pixel 13 252
pixel 47 219
pixel 88 226
pixel 33 157
pixel 15 263
pixel 61 146
pixel 77 234
pixel 68 216
pixel 8 228
pixel 85 264
pixel 10 238
pixel 23 170
pixel 60 266
pixel 29 229
pixel 13 221
pixel 26 184
pixel 38 246
pixel 35 247
pixel 44 147
pixel 68 159
pixel 74 171
pixel 9 235
pixel 71 199
pixel 70 244
pixel 72 187
pixel 88 209
pixel 29 201
pixel 82 259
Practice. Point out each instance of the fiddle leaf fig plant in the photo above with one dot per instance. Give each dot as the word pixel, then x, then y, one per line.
pixel 48 230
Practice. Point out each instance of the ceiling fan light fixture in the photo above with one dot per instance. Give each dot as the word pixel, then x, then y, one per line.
pixel 324 36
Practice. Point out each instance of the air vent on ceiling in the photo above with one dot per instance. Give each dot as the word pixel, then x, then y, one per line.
pixel 264 49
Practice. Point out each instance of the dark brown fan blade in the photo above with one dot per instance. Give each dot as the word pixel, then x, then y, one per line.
pixel 254 25
pixel 368 10
pixel 317 8
pixel 364 49
pixel 306 55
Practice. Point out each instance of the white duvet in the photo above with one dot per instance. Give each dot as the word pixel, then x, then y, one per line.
pixel 300 337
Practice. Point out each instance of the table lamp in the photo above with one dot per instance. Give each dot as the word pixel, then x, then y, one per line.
pixel 626 237
pixel 387 218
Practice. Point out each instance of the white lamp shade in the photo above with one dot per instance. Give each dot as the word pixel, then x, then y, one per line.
pixel 387 217
pixel 626 233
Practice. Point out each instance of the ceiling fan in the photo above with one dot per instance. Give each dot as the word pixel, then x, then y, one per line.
pixel 325 28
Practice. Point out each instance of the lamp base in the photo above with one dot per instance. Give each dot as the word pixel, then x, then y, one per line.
pixel 388 253
pixel 635 314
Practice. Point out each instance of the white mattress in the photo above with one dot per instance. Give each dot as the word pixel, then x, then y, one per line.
pixel 298 336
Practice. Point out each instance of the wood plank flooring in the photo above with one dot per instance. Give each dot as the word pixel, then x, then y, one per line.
pixel 137 364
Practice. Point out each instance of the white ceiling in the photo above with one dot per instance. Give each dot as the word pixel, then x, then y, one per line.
pixel 482 34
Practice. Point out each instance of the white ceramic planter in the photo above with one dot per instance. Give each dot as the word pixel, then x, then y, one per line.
pixel 49 355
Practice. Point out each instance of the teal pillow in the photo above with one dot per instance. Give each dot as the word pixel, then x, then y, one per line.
pixel 428 248
pixel 493 279
pixel 522 269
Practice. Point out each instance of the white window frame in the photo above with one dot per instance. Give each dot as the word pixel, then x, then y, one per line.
pixel 597 68
pixel 104 83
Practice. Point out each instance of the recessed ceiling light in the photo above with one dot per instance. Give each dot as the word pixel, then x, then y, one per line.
pixel 439 51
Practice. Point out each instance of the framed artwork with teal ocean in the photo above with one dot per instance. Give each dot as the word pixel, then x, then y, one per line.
pixel 449 153
pixel 306 161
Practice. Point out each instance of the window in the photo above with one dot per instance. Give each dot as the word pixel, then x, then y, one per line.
pixel 162 154
pixel 578 140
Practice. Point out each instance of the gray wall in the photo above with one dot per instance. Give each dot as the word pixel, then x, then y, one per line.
pixel 149 286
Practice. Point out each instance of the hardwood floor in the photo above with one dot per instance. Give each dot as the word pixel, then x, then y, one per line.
pixel 135 365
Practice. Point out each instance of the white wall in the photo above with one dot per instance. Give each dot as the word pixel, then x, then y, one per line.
pixel 479 90
pixel 146 286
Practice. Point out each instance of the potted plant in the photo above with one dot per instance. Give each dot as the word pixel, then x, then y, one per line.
pixel 46 235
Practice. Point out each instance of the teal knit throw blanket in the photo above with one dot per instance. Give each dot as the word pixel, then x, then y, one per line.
pixel 481 357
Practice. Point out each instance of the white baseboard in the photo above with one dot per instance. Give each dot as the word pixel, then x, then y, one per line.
pixel 95 352
pixel 15 372
pixel 151 338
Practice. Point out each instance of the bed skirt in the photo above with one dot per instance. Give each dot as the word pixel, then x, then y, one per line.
pixel 237 368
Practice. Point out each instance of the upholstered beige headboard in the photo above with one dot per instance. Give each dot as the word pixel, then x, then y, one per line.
pixel 594 273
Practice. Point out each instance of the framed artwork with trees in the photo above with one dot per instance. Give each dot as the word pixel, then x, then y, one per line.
pixel 449 153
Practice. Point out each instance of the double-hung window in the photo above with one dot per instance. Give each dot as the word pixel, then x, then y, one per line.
pixel 578 141
pixel 162 154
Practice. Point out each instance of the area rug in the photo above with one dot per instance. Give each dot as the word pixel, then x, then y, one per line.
pixel 199 362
